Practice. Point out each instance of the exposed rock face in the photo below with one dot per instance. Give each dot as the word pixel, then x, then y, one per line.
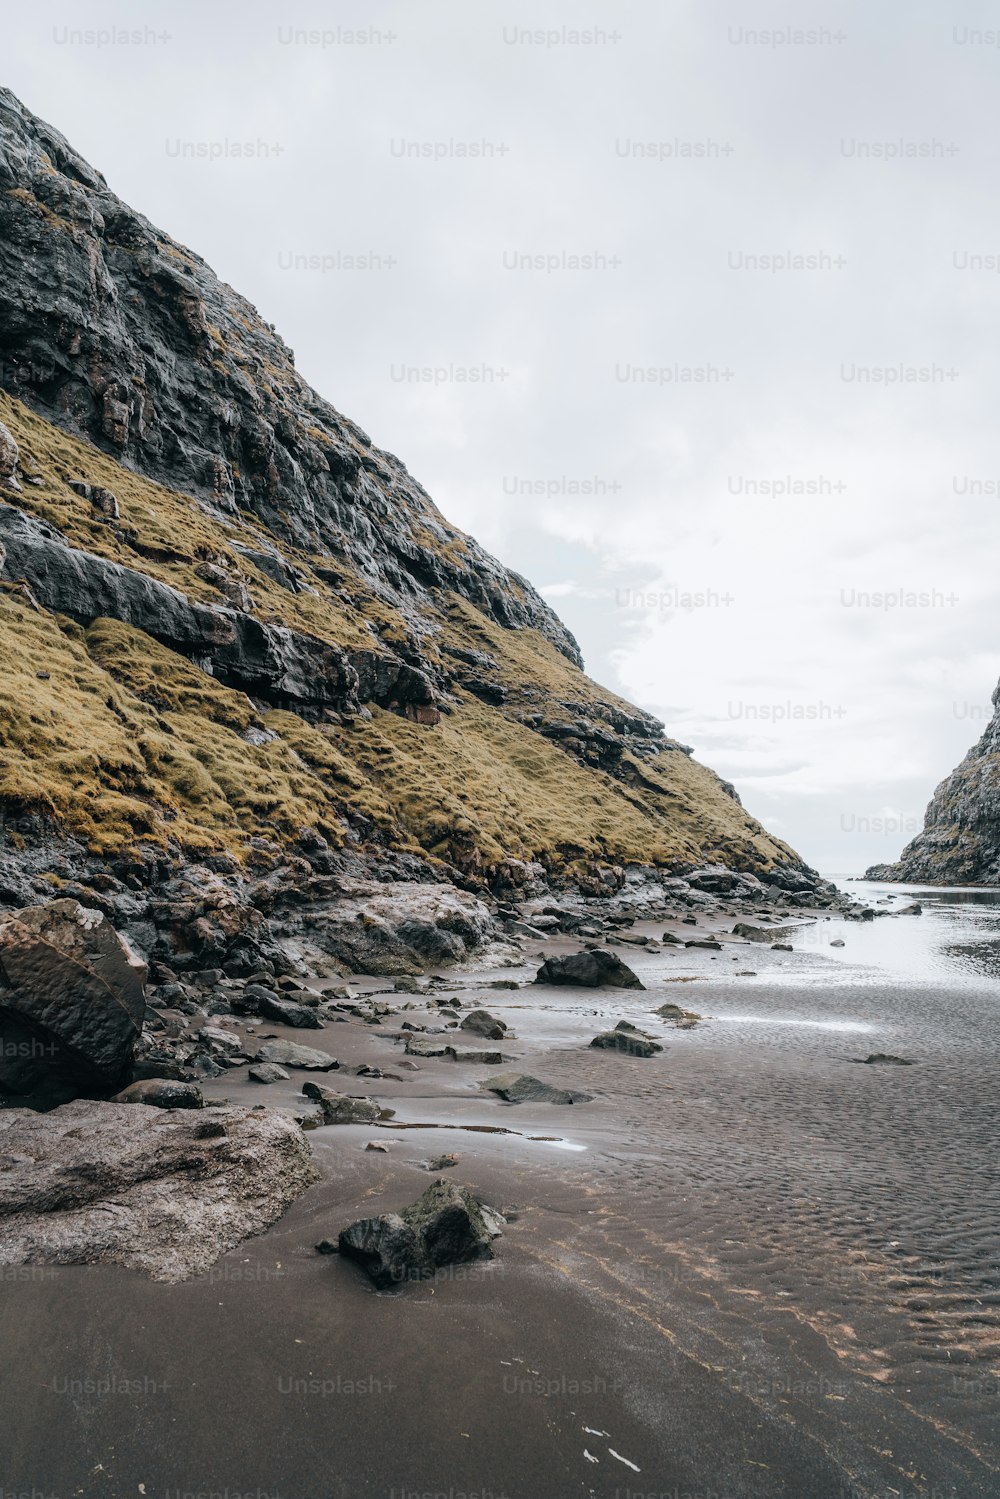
pixel 275 652
pixel 165 1192
pixel 960 842
pixel 277 664
pixel 146 353
pixel 71 1004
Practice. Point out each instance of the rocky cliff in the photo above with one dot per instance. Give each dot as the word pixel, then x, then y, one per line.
pixel 960 841
pixel 235 636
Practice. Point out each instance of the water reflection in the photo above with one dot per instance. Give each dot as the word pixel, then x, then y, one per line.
pixel 956 938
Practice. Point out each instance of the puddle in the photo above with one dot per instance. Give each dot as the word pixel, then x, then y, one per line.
pixel 489 1129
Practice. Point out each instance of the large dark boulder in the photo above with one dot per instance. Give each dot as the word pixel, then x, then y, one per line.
pixel 71 1005
pixel 589 970
pixel 445 1226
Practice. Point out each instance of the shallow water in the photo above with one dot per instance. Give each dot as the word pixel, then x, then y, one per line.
pixel 955 942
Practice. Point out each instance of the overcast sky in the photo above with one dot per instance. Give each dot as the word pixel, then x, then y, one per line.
pixel 640 410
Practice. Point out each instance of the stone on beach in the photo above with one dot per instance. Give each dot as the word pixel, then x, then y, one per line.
pixel 290 1054
pixel 341 1108
pixel 628 1039
pixel 521 1087
pixel 484 1024
pixel 445 1226
pixel 590 970
pixel 267 1072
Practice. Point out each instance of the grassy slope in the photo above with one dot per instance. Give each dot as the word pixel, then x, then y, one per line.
pixel 121 739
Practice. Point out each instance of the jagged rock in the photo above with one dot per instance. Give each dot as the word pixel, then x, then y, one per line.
pixel 290 1054
pixel 521 1087
pixel 445 1226
pixel 590 970
pixel 165 1192
pixel 71 1004
pixel 482 1023
pixel 162 1093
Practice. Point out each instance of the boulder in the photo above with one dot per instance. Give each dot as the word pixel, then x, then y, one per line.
pixel 71 1005
pixel 484 1024
pixel 628 1040
pixel 708 942
pixel 267 1072
pixel 290 1054
pixel 589 970
pixel 521 1087
pixel 286 1012
pixel 445 1226
pixel 341 1108
pixel 162 1093
pixel 472 1054
pixel 164 1192
pixel 759 933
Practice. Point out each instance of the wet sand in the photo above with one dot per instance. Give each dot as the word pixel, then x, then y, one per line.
pixel 768 1271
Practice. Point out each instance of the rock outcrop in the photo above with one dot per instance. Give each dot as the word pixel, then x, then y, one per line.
pixel 162 1191
pixel 240 647
pixel 960 841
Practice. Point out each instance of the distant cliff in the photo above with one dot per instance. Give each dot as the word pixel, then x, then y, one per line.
pixel 233 630
pixel 960 842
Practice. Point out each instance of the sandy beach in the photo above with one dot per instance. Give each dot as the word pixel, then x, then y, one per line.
pixel 750 1267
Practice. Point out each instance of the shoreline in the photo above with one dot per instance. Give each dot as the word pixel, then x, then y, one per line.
pixel 665 1284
